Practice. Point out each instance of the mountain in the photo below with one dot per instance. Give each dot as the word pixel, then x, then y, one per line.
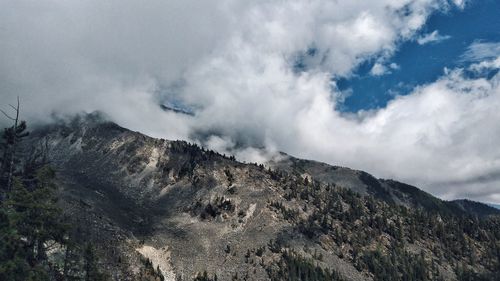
pixel 390 191
pixel 496 206
pixel 185 210
pixel 477 208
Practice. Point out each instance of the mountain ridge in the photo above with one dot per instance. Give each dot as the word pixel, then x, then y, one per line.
pixel 189 210
pixel 389 190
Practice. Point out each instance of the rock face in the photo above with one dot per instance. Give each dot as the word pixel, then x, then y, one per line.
pixel 189 210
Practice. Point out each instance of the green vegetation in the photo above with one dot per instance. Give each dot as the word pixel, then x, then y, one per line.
pixel 204 277
pixel 149 273
pixel 398 264
pixel 32 226
pixel 359 224
pixel 294 267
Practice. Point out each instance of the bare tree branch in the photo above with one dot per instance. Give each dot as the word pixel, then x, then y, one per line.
pixel 7 115
pixel 13 107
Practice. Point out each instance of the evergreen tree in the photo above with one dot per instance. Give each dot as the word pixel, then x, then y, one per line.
pixel 90 265
pixel 9 144
pixel 31 221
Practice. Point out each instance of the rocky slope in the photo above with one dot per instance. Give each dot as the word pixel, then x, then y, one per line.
pixel 390 191
pixel 189 210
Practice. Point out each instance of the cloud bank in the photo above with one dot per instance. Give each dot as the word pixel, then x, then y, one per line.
pixel 234 64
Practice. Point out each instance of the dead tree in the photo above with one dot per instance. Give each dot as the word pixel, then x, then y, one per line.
pixel 14 142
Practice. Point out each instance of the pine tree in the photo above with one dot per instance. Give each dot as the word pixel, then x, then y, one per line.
pixel 13 264
pixel 10 139
pixel 90 265
pixel 30 218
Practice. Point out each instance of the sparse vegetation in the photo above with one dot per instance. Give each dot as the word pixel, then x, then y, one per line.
pixel 358 223
pixel 149 273
pixel 294 267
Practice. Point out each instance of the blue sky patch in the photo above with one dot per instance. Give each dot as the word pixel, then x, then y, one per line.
pixel 443 42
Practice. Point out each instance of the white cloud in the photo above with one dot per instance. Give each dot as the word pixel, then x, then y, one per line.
pixel 378 69
pixel 485 65
pixel 394 66
pixel 232 62
pixel 75 55
pixel 460 3
pixel 479 51
pixel 442 137
pixel 433 37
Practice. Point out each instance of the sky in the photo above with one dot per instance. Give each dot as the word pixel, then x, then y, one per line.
pixel 442 42
pixel 403 89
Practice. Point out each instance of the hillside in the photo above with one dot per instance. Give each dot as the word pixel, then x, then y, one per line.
pixel 390 191
pixel 189 211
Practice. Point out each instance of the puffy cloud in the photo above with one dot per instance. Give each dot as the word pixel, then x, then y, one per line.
pixel 87 55
pixel 441 137
pixel 379 68
pixel 460 3
pixel 232 63
pixel 433 37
